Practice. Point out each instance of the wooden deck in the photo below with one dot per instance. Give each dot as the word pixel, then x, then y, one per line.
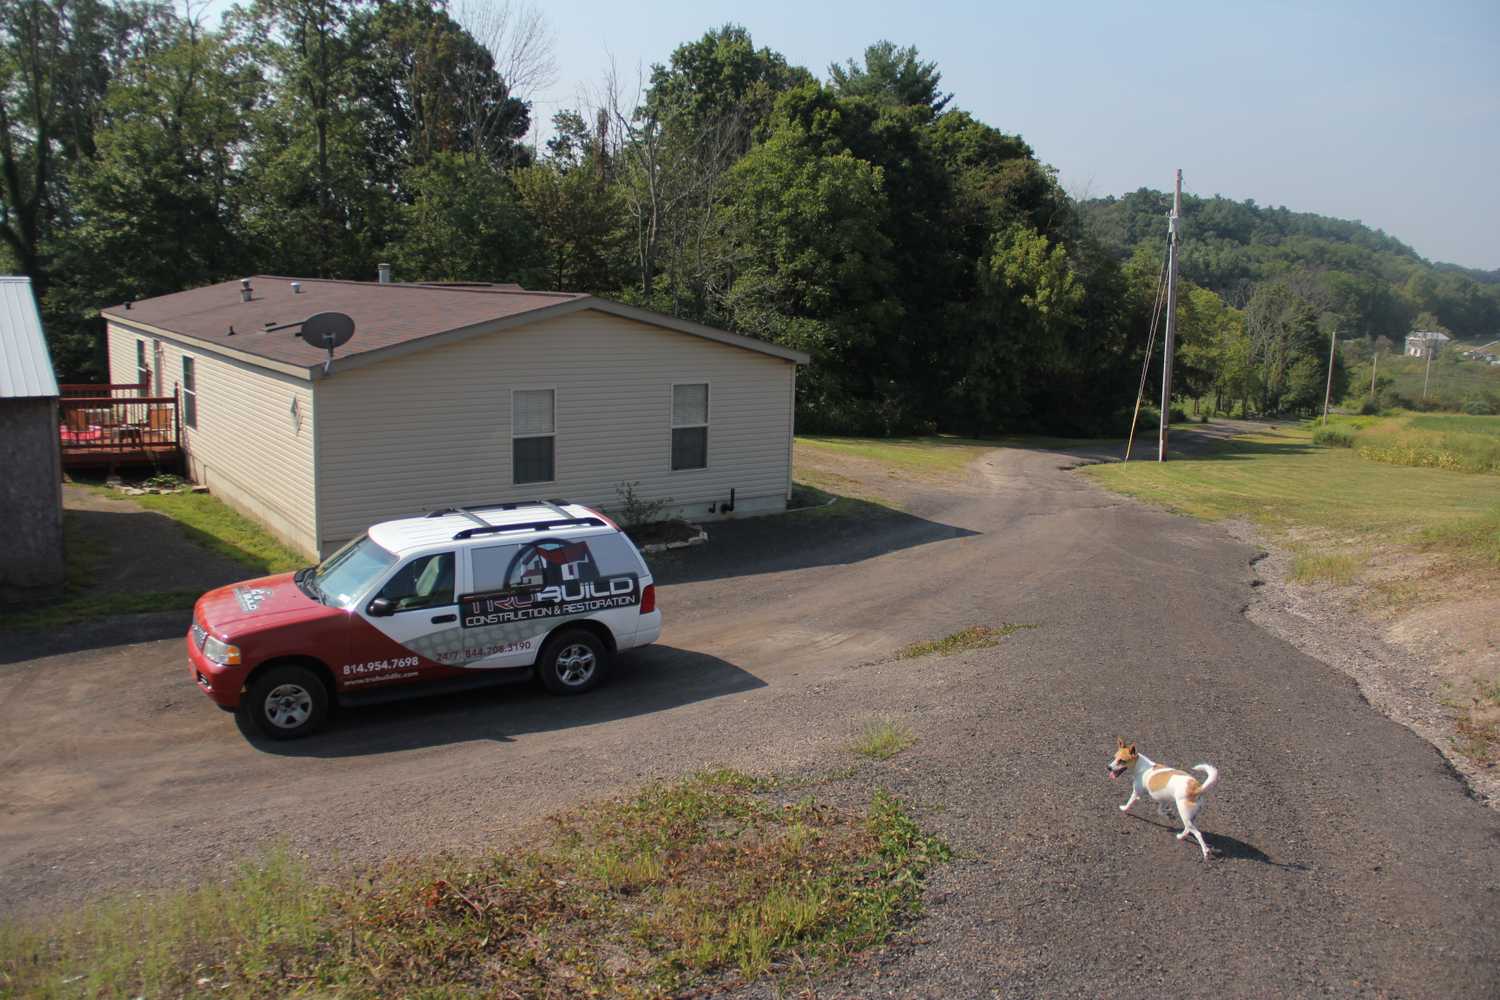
pixel 117 426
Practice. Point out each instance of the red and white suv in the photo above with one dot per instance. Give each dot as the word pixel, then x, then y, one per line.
pixel 463 597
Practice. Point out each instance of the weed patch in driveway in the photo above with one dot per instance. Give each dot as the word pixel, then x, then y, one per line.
pixel 882 739
pixel 973 637
pixel 702 879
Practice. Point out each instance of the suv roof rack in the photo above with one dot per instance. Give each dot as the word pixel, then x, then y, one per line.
pixel 563 522
pixel 556 506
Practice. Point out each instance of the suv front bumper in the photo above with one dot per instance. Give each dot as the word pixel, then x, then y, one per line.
pixel 221 684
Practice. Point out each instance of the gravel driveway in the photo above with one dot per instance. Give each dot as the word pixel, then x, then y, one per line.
pixel 1353 860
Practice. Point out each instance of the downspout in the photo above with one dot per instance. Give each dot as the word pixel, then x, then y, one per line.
pixel 791 430
pixel 316 465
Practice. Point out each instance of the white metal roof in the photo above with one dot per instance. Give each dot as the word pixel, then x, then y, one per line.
pixel 410 533
pixel 25 365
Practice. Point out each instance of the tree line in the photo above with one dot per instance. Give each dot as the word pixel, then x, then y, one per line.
pixel 929 262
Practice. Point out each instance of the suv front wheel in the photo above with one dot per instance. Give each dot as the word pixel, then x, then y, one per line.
pixel 286 702
pixel 573 662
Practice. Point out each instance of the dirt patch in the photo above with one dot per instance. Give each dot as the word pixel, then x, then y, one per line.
pixel 664 533
pixel 117 548
pixel 1421 662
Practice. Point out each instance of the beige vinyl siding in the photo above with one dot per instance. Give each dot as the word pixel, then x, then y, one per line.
pixel 434 427
pixel 248 448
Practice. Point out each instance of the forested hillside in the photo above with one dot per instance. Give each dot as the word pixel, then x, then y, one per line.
pixel 928 262
pixel 1371 284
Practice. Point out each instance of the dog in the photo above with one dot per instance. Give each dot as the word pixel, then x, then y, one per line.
pixel 1165 784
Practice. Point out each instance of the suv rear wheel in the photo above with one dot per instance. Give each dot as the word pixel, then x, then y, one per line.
pixel 286 702
pixel 573 662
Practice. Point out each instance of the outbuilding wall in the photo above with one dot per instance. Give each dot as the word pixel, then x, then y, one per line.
pixel 433 427
pixel 253 445
pixel 30 495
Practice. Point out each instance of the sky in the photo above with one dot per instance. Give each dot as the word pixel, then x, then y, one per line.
pixel 1388 113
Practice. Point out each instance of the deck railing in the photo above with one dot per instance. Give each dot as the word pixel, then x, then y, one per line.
pixel 112 390
pixel 110 430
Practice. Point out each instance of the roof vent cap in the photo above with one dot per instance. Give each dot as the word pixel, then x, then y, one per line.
pixel 384 271
pixel 245 289
pixel 296 288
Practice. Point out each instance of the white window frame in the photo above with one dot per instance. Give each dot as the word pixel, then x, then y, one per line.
pixel 513 435
pixel 142 368
pixel 188 359
pixel 673 425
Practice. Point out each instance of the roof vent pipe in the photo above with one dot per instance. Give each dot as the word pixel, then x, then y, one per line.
pixel 296 288
pixel 245 289
pixel 385 273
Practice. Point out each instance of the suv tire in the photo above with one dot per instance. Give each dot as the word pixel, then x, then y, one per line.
pixel 573 661
pixel 286 702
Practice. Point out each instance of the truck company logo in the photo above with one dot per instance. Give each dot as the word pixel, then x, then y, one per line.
pixel 581 597
pixel 250 598
pixel 550 579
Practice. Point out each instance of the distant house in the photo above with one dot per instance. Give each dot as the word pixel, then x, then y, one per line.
pixel 30 464
pixel 1419 343
pixel 456 394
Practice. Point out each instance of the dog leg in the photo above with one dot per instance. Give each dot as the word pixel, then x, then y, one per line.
pixel 1134 794
pixel 1187 812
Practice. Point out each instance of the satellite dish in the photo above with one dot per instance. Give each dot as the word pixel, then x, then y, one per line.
pixel 327 330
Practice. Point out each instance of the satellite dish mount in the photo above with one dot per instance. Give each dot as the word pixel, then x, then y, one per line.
pixel 327 330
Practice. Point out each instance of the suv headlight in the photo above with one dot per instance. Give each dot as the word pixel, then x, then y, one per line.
pixel 218 651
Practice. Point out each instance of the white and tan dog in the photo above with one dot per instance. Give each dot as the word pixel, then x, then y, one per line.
pixel 1165 784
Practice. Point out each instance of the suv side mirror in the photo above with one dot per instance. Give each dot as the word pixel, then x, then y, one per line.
pixel 381 607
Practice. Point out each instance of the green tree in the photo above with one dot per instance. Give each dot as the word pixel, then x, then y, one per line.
pixel 310 206
pixel 465 223
pixel 812 272
pixel 156 208
pixel 581 222
pixel 57 58
pixel 431 87
pixel 1283 329
pixel 891 74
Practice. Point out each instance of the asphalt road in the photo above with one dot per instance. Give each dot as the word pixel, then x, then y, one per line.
pixel 1353 862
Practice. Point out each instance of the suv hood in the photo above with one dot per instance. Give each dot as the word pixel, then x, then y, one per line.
pixel 268 600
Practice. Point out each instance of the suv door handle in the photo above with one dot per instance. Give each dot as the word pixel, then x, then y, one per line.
pixel 439 619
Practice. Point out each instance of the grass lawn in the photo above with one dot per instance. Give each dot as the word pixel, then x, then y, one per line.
pixel 214 525
pixel 1280 480
pixel 1452 378
pixel 929 457
pixel 853 466
pixel 204 519
pixel 1461 443
pixel 716 876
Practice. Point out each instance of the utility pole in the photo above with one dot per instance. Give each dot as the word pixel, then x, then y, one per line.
pixel 1428 374
pixel 1173 221
pixel 1333 338
pixel 1374 367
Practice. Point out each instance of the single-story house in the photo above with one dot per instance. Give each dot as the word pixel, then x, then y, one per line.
pixel 1420 342
pixel 30 460
pixel 455 394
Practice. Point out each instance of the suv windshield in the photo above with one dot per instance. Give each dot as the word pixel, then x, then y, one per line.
pixel 350 571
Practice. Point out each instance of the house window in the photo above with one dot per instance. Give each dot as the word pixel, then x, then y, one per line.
pixel 533 434
pixel 142 370
pixel 189 392
pixel 690 426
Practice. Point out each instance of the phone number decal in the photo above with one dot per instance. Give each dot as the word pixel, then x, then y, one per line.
pixel 377 666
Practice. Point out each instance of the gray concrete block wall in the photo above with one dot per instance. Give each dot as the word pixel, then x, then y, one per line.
pixel 31 557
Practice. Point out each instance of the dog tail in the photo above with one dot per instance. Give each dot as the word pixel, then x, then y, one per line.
pixel 1213 776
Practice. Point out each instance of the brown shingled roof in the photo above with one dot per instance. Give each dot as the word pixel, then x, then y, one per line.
pixel 384 314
